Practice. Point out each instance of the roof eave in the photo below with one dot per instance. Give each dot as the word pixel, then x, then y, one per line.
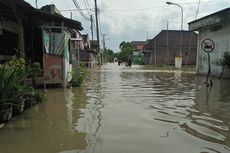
pixel 209 20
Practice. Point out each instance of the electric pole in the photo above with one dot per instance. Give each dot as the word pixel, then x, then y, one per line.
pixel 103 41
pixel 97 29
pixel 36 3
pixel 103 36
pixel 91 20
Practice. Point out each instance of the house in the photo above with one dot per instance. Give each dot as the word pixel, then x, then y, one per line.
pixel 88 55
pixel 38 35
pixel 137 52
pixel 97 55
pixel 138 45
pixel 216 27
pixel 165 46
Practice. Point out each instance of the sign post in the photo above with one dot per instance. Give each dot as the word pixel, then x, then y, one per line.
pixel 178 62
pixel 208 46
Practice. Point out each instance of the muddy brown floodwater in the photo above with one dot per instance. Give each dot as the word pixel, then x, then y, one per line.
pixel 126 110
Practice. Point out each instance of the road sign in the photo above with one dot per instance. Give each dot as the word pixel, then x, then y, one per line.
pixel 207 45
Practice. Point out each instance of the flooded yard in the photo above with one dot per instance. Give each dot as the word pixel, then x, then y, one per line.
pixel 126 110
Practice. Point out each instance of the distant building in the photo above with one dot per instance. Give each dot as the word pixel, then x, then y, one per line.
pixel 216 27
pixel 138 45
pixel 165 46
pixel 137 52
pixel 88 54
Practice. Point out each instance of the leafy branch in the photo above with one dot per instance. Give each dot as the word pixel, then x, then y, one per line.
pixel 223 63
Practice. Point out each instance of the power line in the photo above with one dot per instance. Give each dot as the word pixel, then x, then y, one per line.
pixel 114 20
pixel 68 10
pixel 198 7
pixel 151 8
pixel 87 8
pixel 190 42
pixel 87 2
pixel 80 11
pixel 141 18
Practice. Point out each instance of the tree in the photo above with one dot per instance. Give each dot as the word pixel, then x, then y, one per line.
pixel 223 63
pixel 126 49
pixel 108 55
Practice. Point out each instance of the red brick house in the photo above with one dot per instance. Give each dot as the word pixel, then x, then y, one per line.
pixel 165 46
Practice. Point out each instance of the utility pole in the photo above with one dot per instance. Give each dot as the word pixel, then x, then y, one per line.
pixel 91 20
pixel 36 3
pixel 97 29
pixel 103 36
pixel 167 38
pixel 103 40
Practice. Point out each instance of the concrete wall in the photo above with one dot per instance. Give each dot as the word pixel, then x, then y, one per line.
pixel 221 40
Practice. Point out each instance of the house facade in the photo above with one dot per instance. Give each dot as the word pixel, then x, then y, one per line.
pixel 88 55
pixel 215 27
pixel 38 35
pixel 165 46
pixel 138 57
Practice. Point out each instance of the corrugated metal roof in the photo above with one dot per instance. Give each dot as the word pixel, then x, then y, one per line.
pixel 36 14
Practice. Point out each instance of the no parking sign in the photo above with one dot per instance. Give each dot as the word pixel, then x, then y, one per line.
pixel 208 45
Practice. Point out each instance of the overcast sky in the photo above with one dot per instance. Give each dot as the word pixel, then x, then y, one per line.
pixel 135 20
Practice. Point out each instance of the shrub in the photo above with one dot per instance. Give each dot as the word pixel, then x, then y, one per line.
pixel 77 79
pixel 224 62
pixel 13 89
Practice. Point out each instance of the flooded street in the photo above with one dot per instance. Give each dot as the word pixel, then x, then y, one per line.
pixel 126 110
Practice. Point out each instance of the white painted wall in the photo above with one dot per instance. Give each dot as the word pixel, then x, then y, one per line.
pixel 221 39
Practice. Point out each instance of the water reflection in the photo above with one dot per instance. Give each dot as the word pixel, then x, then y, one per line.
pixel 44 128
pixel 130 110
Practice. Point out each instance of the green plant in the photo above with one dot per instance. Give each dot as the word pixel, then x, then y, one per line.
pixel 12 86
pixel 35 71
pixel 224 62
pixel 12 91
pixel 15 94
pixel 77 78
pixel 15 62
pixel 38 96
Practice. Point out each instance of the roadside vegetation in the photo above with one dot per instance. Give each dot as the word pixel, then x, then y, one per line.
pixel 126 50
pixel 109 55
pixel 224 63
pixel 77 78
pixel 16 93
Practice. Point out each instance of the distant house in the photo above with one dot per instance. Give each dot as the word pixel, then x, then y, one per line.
pixel 216 27
pixel 88 54
pixel 94 47
pixel 137 52
pixel 138 45
pixel 39 35
pixel 165 46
